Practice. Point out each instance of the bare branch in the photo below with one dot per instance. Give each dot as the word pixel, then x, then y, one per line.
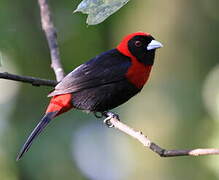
pixel 27 79
pixel 157 149
pixel 51 36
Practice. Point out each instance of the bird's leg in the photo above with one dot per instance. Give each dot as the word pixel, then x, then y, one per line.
pixel 109 115
pixel 98 114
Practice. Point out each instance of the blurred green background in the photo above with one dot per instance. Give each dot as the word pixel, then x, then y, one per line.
pixel 179 107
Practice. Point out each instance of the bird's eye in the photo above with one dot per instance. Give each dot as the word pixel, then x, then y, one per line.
pixel 138 43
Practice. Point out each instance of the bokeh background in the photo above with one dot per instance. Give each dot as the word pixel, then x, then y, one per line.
pixel 179 108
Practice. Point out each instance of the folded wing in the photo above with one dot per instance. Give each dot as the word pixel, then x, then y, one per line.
pixel 107 68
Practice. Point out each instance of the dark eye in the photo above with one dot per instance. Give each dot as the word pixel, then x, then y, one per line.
pixel 138 43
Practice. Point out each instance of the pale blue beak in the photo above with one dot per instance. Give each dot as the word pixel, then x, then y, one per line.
pixel 154 45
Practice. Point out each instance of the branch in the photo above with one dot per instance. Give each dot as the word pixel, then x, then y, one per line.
pixel 156 148
pixel 27 79
pixel 119 125
pixel 51 36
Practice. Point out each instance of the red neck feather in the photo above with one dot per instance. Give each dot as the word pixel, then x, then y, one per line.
pixel 123 46
pixel 138 73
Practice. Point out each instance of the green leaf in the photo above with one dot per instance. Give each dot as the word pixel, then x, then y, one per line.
pixel 99 10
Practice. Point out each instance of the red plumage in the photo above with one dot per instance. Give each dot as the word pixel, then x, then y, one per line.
pixel 60 103
pixel 103 83
pixel 138 73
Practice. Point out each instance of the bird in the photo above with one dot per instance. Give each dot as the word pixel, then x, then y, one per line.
pixel 102 83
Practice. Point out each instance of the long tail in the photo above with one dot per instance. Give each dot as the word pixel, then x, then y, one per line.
pixel 37 130
pixel 58 105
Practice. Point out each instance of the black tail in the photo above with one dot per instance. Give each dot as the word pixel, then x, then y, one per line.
pixel 37 130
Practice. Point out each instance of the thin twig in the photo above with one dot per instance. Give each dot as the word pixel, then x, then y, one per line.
pixel 50 32
pixel 156 148
pixel 121 126
pixel 27 79
pixel 51 36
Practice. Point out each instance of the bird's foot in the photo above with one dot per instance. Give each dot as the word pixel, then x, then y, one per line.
pixel 109 115
pixel 98 114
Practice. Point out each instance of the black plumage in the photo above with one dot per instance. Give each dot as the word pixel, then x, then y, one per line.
pixel 100 84
pixel 104 82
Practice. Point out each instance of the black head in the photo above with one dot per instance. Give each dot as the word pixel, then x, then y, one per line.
pixel 140 45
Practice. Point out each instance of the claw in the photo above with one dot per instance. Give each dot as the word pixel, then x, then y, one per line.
pixel 107 122
pixel 109 115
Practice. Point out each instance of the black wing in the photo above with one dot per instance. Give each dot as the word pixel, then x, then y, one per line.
pixel 107 68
